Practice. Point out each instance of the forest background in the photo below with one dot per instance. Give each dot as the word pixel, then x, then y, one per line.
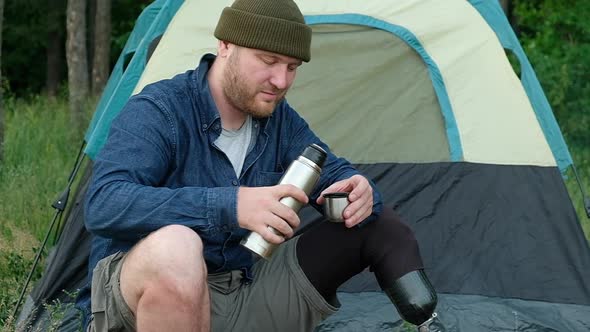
pixel 56 56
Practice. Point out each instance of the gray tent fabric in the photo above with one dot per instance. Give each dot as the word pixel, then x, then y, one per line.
pixel 461 306
pixel 370 311
pixel 67 264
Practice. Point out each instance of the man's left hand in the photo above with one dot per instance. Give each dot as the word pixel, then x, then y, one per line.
pixel 360 197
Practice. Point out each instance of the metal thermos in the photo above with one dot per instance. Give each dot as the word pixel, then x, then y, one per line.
pixel 304 173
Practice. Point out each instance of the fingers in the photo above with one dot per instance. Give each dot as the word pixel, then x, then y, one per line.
pixel 287 214
pixel 361 201
pixel 359 216
pixel 276 229
pixel 271 235
pixel 289 190
pixel 360 187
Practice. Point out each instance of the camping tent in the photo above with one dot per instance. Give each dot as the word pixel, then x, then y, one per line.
pixel 418 94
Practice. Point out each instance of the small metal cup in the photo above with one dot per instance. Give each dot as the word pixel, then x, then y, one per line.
pixel 334 206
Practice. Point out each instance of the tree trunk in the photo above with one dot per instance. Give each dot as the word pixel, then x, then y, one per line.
pixel 505 4
pixel 77 58
pixel 507 7
pixel 1 86
pixel 55 42
pixel 102 46
pixel 91 16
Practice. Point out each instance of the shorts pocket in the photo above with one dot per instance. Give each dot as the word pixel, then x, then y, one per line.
pixel 104 309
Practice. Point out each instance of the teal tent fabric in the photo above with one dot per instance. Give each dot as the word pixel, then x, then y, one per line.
pixel 492 12
pixel 151 23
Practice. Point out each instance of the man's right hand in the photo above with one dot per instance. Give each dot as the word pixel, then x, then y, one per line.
pixel 260 207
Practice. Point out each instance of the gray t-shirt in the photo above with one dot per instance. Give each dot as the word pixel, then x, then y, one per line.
pixel 235 144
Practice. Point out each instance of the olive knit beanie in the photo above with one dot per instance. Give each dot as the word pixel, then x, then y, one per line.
pixel 272 25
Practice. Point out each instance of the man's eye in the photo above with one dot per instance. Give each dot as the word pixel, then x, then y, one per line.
pixel 268 61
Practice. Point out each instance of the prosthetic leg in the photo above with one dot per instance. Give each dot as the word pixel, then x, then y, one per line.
pixel 388 247
pixel 415 300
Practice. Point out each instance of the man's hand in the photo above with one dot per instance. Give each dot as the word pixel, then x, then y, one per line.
pixel 360 197
pixel 259 207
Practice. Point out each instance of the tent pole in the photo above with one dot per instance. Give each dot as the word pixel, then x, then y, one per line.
pixel 23 291
pixel 585 198
pixel 61 202
pixel 59 205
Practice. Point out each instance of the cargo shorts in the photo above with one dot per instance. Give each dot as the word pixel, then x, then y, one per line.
pixel 280 298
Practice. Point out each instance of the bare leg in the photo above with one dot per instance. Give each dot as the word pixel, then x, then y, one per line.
pixel 164 281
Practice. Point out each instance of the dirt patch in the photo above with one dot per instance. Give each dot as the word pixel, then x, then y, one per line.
pixel 21 242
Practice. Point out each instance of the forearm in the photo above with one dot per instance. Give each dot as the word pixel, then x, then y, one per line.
pixel 126 210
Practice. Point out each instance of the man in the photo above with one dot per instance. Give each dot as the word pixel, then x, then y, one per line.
pixel 190 168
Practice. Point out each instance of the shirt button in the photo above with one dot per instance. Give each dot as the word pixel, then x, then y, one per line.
pixel 234 182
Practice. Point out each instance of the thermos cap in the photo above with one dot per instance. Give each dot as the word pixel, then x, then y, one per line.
pixel 315 154
pixel 334 206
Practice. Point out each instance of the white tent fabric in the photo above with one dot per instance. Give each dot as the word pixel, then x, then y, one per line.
pixel 497 127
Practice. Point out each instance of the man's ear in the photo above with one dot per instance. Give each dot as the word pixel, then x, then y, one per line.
pixel 223 49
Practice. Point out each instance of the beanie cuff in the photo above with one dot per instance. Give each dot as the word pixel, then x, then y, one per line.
pixel 265 33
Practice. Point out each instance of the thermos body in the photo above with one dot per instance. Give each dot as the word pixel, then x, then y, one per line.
pixel 304 173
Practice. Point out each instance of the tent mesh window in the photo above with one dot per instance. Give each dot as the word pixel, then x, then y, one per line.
pixel 341 94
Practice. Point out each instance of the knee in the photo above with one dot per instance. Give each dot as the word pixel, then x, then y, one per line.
pixel 167 253
pixel 389 229
pixel 175 239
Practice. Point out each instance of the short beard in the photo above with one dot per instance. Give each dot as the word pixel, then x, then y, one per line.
pixel 237 93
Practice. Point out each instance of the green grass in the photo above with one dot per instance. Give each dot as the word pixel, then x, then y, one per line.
pixel 39 150
pixel 38 154
pixel 581 156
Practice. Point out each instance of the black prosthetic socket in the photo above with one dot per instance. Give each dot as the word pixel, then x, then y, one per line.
pixel 329 254
pixel 413 296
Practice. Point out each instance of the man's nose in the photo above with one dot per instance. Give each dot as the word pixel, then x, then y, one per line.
pixel 280 77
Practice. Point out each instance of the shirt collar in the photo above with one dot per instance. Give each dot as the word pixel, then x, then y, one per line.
pixel 209 112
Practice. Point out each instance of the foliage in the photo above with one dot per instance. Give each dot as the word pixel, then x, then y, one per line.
pixel 582 156
pixel 14 267
pixel 25 38
pixel 39 147
pixel 556 38
pixel 23 63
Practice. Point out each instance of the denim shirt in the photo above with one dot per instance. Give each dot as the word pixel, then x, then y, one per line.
pixel 160 167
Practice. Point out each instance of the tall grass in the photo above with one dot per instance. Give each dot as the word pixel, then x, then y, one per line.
pixel 39 150
pixel 581 156
pixel 38 153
